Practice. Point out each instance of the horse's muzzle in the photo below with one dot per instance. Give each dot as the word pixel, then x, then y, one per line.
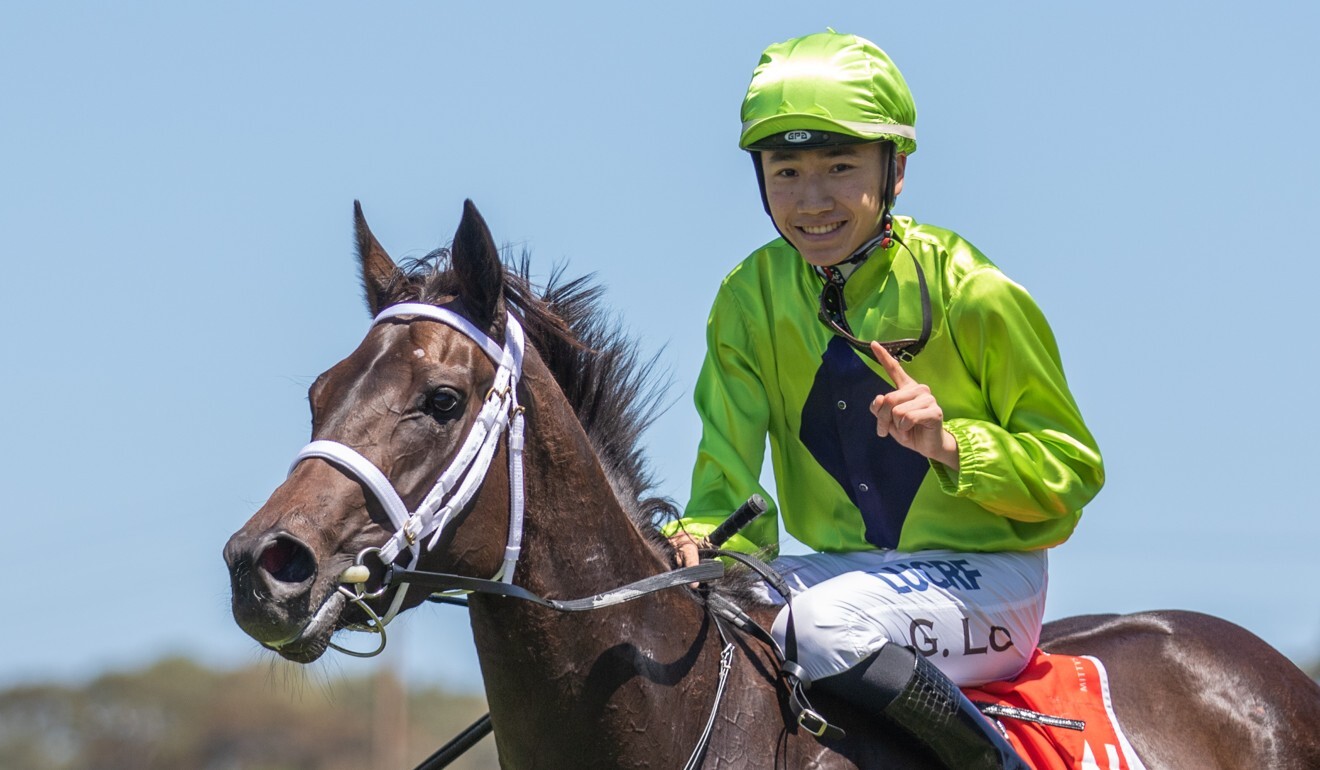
pixel 271 576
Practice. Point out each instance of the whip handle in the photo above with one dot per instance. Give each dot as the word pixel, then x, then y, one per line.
pixel 755 506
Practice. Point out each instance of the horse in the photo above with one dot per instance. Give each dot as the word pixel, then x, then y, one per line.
pixel 630 685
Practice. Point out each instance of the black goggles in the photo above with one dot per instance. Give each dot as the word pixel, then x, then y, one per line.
pixel 833 314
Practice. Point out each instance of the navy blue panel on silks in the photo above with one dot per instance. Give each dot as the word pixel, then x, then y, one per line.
pixel 879 475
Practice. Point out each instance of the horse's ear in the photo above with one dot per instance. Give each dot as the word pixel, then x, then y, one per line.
pixel 476 262
pixel 377 268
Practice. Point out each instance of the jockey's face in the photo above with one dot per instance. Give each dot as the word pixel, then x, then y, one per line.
pixel 827 201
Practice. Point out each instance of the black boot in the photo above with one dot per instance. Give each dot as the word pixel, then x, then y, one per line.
pixel 903 687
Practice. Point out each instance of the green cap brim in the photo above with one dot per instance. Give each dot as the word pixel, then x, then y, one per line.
pixel 756 133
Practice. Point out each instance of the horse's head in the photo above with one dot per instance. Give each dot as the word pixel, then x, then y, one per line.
pixel 405 402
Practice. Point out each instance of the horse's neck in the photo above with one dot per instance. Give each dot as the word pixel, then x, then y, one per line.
pixel 549 674
pixel 628 686
pixel 577 539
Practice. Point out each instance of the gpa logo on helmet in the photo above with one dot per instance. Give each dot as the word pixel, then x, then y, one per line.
pixel 797 137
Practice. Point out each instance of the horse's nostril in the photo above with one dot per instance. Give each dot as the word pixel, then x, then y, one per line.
pixel 288 561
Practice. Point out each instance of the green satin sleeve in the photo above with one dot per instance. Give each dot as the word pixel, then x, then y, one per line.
pixel 1036 461
pixel 734 408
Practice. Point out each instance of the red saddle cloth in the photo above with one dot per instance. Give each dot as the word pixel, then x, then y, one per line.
pixel 1058 715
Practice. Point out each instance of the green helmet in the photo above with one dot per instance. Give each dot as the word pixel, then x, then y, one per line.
pixel 826 89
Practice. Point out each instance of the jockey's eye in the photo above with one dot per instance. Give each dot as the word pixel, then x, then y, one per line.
pixel 444 403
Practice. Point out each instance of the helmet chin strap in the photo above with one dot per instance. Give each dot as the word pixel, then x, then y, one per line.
pixel 883 238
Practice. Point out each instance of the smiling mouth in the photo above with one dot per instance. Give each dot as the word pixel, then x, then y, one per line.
pixel 821 229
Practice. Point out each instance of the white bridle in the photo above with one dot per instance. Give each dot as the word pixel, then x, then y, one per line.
pixel 459 482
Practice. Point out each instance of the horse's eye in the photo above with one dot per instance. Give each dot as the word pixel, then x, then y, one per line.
pixel 444 403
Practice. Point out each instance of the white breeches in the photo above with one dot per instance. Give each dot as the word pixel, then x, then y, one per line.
pixel 976 616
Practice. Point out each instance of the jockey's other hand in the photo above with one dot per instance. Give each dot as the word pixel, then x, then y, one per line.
pixel 685 549
pixel 911 415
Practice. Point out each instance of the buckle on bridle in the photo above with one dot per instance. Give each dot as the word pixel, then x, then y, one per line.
pixel 812 722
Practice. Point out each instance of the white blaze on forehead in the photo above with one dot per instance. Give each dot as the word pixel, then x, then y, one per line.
pixel 419 353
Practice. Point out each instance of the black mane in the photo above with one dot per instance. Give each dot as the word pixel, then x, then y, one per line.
pixel 614 393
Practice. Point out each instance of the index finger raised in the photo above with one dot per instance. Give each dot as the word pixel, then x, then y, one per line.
pixel 891 366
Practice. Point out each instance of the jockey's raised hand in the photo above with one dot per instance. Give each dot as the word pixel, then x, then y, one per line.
pixel 911 414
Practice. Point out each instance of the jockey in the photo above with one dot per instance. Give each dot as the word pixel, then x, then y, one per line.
pixel 929 471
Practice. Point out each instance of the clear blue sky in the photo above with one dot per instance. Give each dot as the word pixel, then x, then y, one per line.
pixel 176 182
